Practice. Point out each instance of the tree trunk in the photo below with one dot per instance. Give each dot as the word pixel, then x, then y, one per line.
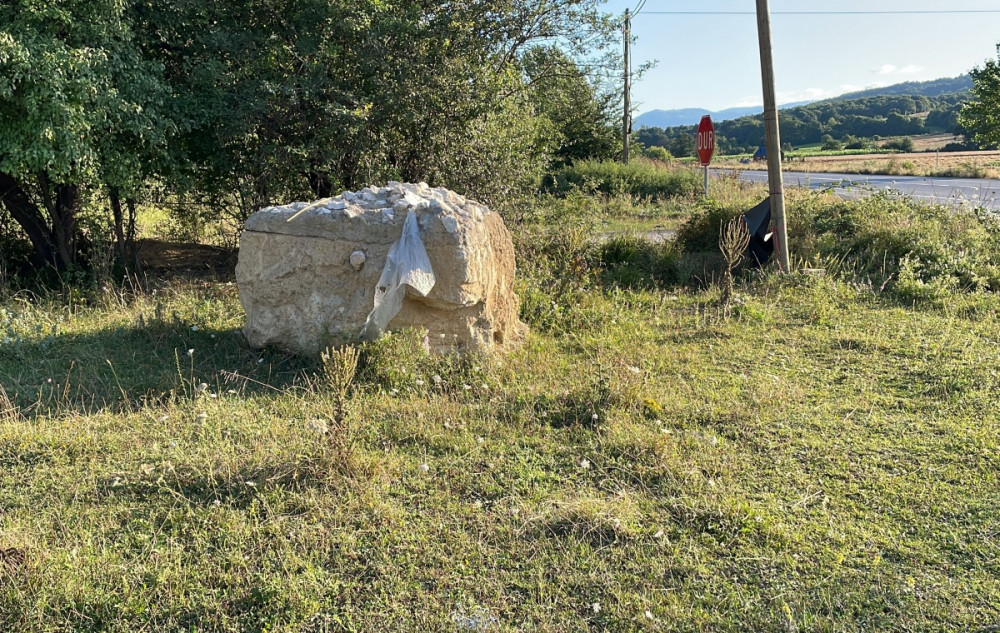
pixel 30 218
pixel 66 209
pixel 320 184
pixel 130 245
pixel 119 217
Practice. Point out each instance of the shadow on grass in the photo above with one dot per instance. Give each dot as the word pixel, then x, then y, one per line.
pixel 637 263
pixel 231 488
pixel 145 364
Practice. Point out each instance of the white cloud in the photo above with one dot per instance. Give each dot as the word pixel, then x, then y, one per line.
pixel 746 102
pixel 808 94
pixel 890 69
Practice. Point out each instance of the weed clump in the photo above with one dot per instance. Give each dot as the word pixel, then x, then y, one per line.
pixel 643 179
pixel 734 238
pixel 917 251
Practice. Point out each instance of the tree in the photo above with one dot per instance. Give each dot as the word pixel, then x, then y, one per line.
pixel 326 94
pixel 580 116
pixel 237 104
pixel 80 110
pixel 981 116
pixel 683 145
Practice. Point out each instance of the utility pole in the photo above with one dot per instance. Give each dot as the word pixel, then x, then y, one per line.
pixel 772 136
pixel 627 109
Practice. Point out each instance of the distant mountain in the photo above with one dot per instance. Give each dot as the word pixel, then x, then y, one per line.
pixel 932 88
pixel 691 116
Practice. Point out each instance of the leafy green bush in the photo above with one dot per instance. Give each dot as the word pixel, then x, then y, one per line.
pixel 917 249
pixel 701 231
pixel 903 144
pixel 632 261
pixel 657 153
pixel 640 179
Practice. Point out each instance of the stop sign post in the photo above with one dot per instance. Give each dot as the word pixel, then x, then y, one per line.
pixel 706 145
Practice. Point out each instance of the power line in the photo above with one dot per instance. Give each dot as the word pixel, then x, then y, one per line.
pixel 902 12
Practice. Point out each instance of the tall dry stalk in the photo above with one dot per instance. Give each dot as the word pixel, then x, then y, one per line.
pixel 339 367
pixel 8 410
pixel 734 238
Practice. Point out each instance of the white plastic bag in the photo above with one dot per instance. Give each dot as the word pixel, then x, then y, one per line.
pixel 406 266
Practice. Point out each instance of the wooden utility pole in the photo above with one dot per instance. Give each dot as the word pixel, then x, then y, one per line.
pixel 627 109
pixel 772 136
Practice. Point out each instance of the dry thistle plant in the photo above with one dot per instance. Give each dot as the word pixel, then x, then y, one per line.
pixel 339 367
pixel 734 238
pixel 8 410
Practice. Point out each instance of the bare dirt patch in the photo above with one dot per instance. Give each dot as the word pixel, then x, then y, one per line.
pixel 168 259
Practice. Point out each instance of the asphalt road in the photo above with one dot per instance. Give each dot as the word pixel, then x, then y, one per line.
pixel 972 191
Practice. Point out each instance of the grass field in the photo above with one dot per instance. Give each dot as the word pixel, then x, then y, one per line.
pixel 825 458
pixel 980 164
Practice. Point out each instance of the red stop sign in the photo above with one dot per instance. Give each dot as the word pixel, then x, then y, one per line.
pixel 706 140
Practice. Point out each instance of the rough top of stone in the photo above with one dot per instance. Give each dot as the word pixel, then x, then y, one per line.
pixel 373 205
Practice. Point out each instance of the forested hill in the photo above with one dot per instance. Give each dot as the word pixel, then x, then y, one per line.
pixel 932 88
pixel 851 121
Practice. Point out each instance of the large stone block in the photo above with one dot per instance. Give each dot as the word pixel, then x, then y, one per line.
pixel 307 272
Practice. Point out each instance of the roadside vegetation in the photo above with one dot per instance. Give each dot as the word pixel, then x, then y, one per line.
pixel 820 459
pixel 681 442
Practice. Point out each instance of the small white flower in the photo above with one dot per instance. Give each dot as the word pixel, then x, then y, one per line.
pixel 436 379
pixel 424 468
pixel 420 383
pixel 212 335
pixel 594 417
pixel 251 484
pixel 480 440
pixel 319 426
pixel 596 607
pixel 585 463
pixel 478 504
pixel 194 328
pixel 260 360
pixel 484 386
pixel 649 614
pixel 191 352
pixel 216 503
pixel 466 387
pixel 201 417
pixel 633 369
pixel 659 534
pixel 394 392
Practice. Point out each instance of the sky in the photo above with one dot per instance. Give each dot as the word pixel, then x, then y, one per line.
pixel 713 61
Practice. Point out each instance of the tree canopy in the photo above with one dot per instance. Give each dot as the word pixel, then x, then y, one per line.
pixel 981 116
pixel 234 105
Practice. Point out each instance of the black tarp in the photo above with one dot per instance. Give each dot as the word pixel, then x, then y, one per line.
pixel 758 221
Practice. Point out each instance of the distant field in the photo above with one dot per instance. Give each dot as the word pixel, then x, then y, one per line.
pixel 976 164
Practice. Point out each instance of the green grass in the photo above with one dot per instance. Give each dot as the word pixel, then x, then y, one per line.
pixel 641 179
pixel 826 459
